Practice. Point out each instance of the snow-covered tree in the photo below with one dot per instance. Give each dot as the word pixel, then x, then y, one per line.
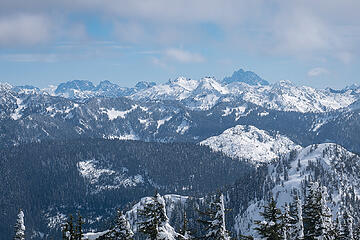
pixel 317 215
pixel 121 230
pixel 154 221
pixel 346 226
pixel 287 220
pixel 272 227
pixel 215 220
pixel 20 226
pixel 296 230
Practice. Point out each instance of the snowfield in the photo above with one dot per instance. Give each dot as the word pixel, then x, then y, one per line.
pixel 250 143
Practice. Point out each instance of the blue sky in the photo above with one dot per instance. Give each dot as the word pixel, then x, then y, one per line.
pixel 313 43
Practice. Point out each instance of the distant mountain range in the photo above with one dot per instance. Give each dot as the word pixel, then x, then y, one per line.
pixel 224 133
pixel 205 93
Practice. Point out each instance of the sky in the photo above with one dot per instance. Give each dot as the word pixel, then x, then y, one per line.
pixel 46 42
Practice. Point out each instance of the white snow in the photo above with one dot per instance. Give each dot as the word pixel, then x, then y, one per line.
pixel 114 114
pixel 94 235
pixel 162 121
pixel 93 172
pixel 238 111
pixel 183 127
pixel 251 143
pixel 56 220
pixel 17 112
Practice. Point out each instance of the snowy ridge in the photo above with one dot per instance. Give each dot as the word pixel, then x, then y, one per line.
pixel 177 89
pixel 286 96
pixel 339 169
pixel 205 93
pixel 251 143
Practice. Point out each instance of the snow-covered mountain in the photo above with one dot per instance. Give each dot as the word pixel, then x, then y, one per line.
pixel 329 164
pixel 205 93
pixel 251 143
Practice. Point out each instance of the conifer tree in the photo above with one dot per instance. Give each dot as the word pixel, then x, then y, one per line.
pixel 68 232
pixel 317 216
pixel 20 226
pixel 287 220
pixel 155 223
pixel 215 220
pixel 78 229
pixel 184 230
pixel 296 230
pixel 346 223
pixel 121 230
pixel 272 226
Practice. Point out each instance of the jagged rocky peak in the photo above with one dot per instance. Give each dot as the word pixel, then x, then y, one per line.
pixel 144 85
pixel 106 85
pixel 81 85
pixel 247 77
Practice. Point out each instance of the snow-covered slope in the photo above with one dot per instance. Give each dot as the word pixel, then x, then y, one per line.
pixel 330 164
pixel 288 97
pixel 251 143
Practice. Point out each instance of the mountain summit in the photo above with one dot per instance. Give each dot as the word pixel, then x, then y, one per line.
pixel 247 77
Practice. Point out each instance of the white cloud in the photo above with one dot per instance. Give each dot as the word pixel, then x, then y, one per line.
pixel 315 29
pixel 184 56
pixel 24 30
pixel 317 72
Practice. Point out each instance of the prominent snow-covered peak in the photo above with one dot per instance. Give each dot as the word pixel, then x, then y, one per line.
pixel 247 77
pixel 185 83
pixel 251 143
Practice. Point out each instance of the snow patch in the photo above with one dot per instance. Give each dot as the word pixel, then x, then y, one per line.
pixel 114 114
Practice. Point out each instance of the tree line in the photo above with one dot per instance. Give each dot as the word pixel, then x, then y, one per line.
pixel 308 220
